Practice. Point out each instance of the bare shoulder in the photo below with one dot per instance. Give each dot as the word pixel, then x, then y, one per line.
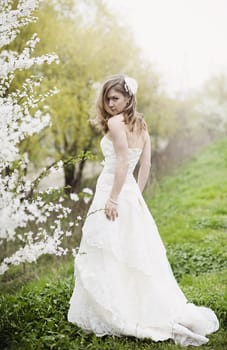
pixel 115 121
pixel 117 132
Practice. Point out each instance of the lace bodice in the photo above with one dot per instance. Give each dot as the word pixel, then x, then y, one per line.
pixel 110 157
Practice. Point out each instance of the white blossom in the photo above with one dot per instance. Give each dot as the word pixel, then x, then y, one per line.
pixel 88 191
pixel 86 200
pixel 17 208
pixel 60 163
pixel 68 233
pixel 74 197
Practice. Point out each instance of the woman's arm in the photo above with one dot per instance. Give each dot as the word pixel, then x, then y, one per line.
pixel 144 163
pixel 119 139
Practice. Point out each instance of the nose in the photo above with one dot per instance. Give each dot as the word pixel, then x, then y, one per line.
pixel 111 103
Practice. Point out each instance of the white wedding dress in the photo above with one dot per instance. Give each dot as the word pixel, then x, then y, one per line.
pixel 124 283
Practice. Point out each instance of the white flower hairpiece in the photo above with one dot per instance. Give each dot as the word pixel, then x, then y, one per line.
pixel 131 85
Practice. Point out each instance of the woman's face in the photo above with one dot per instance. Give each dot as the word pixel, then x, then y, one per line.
pixel 116 102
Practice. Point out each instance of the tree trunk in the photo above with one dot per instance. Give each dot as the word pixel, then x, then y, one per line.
pixel 78 176
pixel 73 176
pixel 69 171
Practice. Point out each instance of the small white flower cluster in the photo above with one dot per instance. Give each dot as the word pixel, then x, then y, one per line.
pixel 11 20
pixel 74 197
pixel 86 194
pixel 17 208
pixel 19 212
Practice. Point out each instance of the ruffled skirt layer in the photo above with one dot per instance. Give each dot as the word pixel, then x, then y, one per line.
pixel 124 283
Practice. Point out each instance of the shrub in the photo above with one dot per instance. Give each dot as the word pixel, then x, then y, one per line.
pixel 190 259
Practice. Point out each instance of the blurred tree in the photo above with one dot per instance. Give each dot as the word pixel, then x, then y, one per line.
pixel 212 103
pixel 88 51
pixel 157 107
pixel 91 45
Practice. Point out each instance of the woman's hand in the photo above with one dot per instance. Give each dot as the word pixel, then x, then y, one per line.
pixel 111 210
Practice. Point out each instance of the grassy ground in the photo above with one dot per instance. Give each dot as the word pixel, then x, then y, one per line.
pixel 190 209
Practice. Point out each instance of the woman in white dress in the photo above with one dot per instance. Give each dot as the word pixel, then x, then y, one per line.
pixel 124 284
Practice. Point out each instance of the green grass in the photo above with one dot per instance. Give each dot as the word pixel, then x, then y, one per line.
pixel 193 204
pixel 35 319
pixel 190 209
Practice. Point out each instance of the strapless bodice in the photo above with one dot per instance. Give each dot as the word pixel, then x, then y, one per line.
pixel 109 162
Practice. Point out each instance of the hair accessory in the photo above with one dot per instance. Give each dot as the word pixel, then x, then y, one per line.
pixel 130 85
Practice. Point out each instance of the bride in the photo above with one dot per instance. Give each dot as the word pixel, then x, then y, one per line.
pixel 124 283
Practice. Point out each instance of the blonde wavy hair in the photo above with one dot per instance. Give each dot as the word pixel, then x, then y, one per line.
pixel 132 118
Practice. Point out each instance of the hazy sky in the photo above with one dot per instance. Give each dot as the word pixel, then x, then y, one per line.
pixel 185 39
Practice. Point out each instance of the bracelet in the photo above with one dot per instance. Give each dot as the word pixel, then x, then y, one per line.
pixel 112 201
